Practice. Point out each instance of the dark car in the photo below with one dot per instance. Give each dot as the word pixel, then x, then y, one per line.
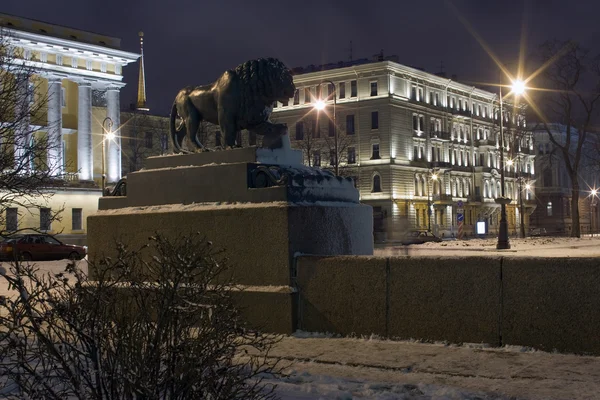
pixel 39 247
pixel 419 237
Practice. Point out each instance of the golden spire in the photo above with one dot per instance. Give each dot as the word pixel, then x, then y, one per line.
pixel 141 98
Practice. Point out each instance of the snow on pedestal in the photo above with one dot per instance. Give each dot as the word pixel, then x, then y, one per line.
pixel 282 156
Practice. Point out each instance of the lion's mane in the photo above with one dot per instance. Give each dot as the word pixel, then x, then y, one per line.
pixel 260 79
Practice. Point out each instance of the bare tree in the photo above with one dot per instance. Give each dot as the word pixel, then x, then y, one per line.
pixel 345 157
pixel 145 135
pixel 572 80
pixel 310 142
pixel 28 157
pixel 160 327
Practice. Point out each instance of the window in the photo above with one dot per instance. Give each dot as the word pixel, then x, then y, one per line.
pixel 351 155
pixel 12 219
pixel 373 88
pixel 549 209
pixel 285 103
pixel 317 158
pixel 421 123
pixel 416 122
pixel 350 124
pixel 77 219
pixel 148 140
pixel 342 89
pixel 330 128
pixel 314 129
pixel 376 183
pixel 63 97
pixel 218 138
pixel 353 89
pixel 332 157
pixel 420 93
pixel 330 90
pixel 45 219
pixel 252 139
pixel 299 130
pixel 317 93
pixel 413 93
pixel 238 138
pixel 547 177
pixel 437 99
pixel 375 120
pixel 297 97
pixel 306 95
pixel 375 152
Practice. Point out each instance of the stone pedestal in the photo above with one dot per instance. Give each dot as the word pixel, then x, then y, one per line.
pixel 262 214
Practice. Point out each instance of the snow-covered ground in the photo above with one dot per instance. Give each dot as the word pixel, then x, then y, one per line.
pixel 344 368
pixel 531 247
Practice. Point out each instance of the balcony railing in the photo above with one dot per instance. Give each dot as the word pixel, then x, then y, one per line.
pixel 440 135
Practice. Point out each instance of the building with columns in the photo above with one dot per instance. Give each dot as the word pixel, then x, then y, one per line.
pixel 420 146
pixel 80 75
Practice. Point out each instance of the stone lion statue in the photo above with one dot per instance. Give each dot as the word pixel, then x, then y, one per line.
pixel 240 99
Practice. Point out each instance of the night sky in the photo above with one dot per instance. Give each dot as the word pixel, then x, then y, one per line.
pixel 193 42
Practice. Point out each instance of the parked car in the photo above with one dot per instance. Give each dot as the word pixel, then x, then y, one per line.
pixel 38 247
pixel 538 232
pixel 419 237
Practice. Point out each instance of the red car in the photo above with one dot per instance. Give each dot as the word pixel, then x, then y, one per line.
pixel 39 247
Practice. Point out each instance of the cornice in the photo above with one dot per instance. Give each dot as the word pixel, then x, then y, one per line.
pixel 69 47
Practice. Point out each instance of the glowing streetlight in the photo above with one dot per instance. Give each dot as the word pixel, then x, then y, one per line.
pixel 528 186
pixel 434 177
pixel 107 134
pixel 594 192
pixel 510 163
pixel 320 106
pixel 518 87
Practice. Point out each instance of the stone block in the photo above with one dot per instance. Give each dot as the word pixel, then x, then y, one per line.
pixel 344 295
pixel 254 236
pixel 552 303
pixel 268 311
pixel 241 155
pixel 451 298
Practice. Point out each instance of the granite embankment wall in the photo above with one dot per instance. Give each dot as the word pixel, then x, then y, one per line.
pixel 546 303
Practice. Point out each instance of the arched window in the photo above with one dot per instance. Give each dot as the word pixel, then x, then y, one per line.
pixel 376 183
pixel 417 189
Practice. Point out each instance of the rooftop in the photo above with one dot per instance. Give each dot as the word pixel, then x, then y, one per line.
pixel 57 31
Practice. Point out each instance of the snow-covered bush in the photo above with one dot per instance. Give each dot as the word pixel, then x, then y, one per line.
pixel 160 329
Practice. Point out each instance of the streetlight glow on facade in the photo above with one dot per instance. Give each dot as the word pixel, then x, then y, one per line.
pixel 320 105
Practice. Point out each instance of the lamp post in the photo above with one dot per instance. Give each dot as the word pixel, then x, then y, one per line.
pixel 518 87
pixel 320 105
pixel 429 202
pixel 107 134
pixel 593 203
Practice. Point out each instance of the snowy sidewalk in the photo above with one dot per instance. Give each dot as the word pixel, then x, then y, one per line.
pixel 341 368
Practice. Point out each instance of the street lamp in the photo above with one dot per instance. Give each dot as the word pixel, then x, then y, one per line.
pixel 320 106
pixel 518 87
pixel 594 193
pixel 107 134
pixel 434 177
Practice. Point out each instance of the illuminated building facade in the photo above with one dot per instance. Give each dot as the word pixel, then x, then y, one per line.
pixel 417 144
pixel 80 74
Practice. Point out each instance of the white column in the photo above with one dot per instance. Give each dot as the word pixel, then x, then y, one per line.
pixel 85 162
pixel 22 125
pixel 113 153
pixel 55 153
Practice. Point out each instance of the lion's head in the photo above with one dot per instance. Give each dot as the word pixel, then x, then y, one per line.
pixel 263 82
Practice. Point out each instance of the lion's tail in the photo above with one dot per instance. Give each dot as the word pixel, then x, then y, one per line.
pixel 177 135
